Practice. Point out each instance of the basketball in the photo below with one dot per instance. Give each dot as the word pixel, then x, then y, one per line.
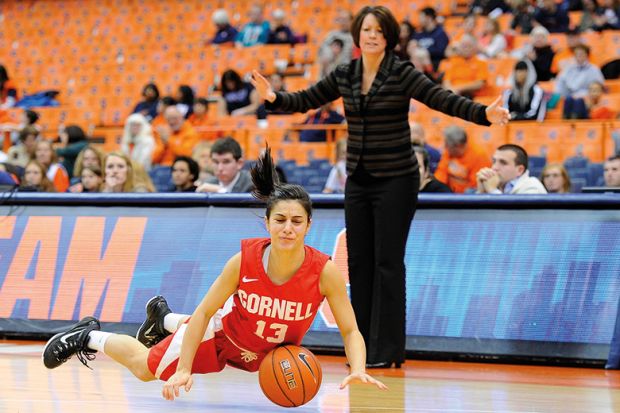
pixel 290 376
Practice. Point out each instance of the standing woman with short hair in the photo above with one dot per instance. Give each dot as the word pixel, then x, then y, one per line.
pixel 382 187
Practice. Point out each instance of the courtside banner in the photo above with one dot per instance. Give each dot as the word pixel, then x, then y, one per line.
pixel 543 275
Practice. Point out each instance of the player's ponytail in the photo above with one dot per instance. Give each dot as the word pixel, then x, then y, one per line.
pixel 267 186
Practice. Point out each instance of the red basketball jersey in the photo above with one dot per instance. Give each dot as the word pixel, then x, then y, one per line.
pixel 265 315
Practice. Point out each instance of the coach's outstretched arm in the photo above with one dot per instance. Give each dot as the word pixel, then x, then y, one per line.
pixel 334 289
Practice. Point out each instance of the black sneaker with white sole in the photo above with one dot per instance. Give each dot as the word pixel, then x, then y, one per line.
pixel 62 346
pixel 152 330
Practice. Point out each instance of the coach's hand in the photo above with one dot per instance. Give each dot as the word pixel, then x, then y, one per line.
pixel 175 382
pixel 496 114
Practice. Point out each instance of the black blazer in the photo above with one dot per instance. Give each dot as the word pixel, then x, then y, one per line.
pixel 379 131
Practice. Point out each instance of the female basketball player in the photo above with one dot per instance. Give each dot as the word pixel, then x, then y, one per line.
pixel 267 295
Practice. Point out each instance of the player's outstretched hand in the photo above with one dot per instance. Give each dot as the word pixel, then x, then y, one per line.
pixel 496 114
pixel 175 382
pixel 362 378
pixel 263 87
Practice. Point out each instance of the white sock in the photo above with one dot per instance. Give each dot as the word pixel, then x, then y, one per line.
pixel 97 339
pixel 172 320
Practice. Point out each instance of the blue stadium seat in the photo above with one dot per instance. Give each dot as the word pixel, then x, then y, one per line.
pixel 162 178
pixel 578 177
pixel 576 162
pixel 595 174
pixel 536 165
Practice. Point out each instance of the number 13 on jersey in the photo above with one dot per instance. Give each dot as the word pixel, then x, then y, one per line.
pixel 279 331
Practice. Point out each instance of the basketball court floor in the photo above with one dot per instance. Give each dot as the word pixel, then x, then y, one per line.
pixel 421 386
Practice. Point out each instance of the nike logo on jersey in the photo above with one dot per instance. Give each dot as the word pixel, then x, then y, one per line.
pixel 64 338
pixel 248 280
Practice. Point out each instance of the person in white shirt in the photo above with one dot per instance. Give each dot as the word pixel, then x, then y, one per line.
pixel 508 174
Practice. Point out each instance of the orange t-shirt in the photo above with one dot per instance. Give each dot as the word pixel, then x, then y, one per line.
pixel 179 143
pixel 460 173
pixel 460 71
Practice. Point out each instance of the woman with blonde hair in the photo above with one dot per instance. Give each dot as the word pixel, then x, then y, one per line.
pixel 138 141
pixel 141 180
pixel 555 179
pixel 118 173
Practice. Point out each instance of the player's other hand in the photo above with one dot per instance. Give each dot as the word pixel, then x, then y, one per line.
pixel 175 382
pixel 362 378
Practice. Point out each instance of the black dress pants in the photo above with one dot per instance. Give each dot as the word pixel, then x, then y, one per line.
pixel 378 215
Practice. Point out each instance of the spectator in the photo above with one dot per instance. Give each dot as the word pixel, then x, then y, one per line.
pixel 508 174
pixel 607 16
pixel 421 59
pixel 553 16
pixel 256 31
pixel 337 177
pixel 588 15
pixel 164 103
pixel 90 157
pixel 202 155
pixel 8 91
pixel 492 43
pixel 148 106
pixel 541 54
pixel 575 79
pixel 226 157
pixel 432 36
pixel 175 139
pixel 485 7
pixel 460 161
pixel 523 17
pixel 91 179
pixel 185 173
pixel 282 33
pixel 72 141
pixel 428 183
pixel 465 73
pixel 405 36
pixel 277 83
pixel 418 138
pixel 468 26
pixel 590 106
pixel 336 50
pixel 23 152
pixel 225 32
pixel 185 100
pixel 566 56
pixel 44 153
pixel 555 179
pixel 35 178
pixel 525 99
pixel 611 172
pixel 201 121
pixel 27 118
pixel 325 115
pixel 141 180
pixel 137 141
pixel 343 33
pixel 238 97
pixel 118 173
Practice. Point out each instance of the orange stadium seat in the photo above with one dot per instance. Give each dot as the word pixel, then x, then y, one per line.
pixel 540 139
pixel 611 143
pixel 587 140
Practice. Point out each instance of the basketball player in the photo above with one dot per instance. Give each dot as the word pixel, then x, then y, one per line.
pixel 267 295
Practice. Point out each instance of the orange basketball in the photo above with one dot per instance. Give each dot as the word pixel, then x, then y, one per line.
pixel 290 376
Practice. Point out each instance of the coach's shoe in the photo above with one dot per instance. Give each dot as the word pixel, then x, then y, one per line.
pixel 62 346
pixel 152 330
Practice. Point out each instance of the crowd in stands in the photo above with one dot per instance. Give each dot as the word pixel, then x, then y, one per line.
pixel 175 132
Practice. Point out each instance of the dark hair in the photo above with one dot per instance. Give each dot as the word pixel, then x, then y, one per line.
pixel 4 76
pixel 387 21
pixel 410 26
pixel 94 169
pixel 521 158
pixel 27 131
pixel 339 42
pixel 267 186
pixel 227 145
pixel 231 75
pixel 430 12
pixel 521 65
pixel 194 169
pixel 615 157
pixel 168 101
pixel 32 116
pixel 153 87
pixel 583 47
pixel 187 94
pixel 75 133
pixel 426 159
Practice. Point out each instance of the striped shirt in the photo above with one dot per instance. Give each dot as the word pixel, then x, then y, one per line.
pixel 380 129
